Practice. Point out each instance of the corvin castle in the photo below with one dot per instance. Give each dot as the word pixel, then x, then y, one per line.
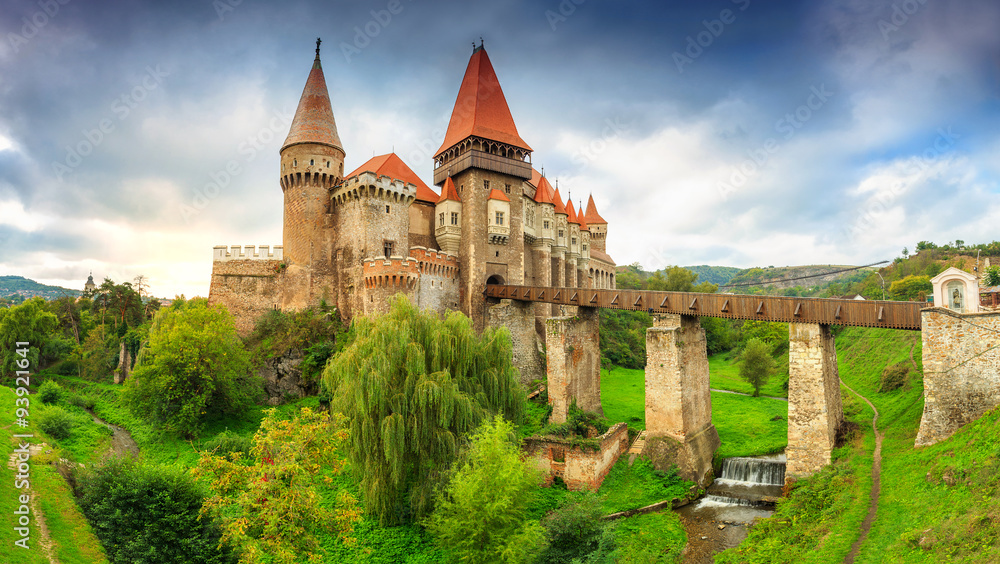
pixel 354 240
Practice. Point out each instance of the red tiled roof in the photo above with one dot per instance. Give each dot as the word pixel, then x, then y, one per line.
pixel 592 215
pixel 603 257
pixel 571 212
pixel 582 220
pixel 498 195
pixel 544 193
pixel 481 108
pixel 560 208
pixel 313 122
pixel 448 191
pixel 392 166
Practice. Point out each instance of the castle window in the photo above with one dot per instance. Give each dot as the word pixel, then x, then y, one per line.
pixel 585 247
pixel 295 162
pixel 498 254
pixel 441 218
pixel 312 162
pixel 341 169
pixel 327 164
pixel 561 234
pixel 387 248
pixel 507 188
pixel 454 218
pixel 387 208
pixel 574 240
pixel 486 184
pixel 545 224
pixel 499 218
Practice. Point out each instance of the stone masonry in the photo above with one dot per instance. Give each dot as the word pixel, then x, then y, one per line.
pixel 519 318
pixel 573 361
pixel 579 467
pixel 678 401
pixel 814 407
pixel 961 358
pixel 248 288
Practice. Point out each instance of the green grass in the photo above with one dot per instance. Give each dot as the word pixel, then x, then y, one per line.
pixel 654 537
pixel 73 542
pixel 724 374
pixel 623 396
pixel 631 487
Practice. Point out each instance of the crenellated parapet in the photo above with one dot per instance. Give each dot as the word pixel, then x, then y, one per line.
pixel 371 185
pixel 392 272
pixel 223 253
pixel 435 263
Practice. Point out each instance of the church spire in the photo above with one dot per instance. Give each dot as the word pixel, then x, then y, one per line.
pixel 314 122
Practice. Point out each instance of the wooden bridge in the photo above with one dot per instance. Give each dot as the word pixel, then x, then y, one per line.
pixel 824 311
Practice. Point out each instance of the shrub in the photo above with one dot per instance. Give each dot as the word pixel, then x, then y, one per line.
pixel 85 402
pixel 56 422
pixel 228 443
pixel 50 392
pixel 894 377
pixel 576 530
pixel 148 514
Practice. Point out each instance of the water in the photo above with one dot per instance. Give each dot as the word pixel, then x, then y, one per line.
pixel 746 491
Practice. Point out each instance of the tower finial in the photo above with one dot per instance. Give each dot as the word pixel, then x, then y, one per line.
pixel 318 41
pixel 543 171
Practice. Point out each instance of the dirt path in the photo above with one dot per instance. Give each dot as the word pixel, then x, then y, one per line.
pixel 866 525
pixel 122 443
pixel 743 394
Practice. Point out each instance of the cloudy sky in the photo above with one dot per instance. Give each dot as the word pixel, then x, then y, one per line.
pixel 135 136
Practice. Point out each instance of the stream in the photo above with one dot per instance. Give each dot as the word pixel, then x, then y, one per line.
pixel 122 443
pixel 746 490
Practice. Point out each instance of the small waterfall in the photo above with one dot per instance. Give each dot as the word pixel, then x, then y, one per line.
pixel 748 482
pixel 754 471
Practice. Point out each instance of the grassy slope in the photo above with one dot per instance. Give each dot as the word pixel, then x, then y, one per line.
pixel 72 539
pixel 821 518
pixel 724 374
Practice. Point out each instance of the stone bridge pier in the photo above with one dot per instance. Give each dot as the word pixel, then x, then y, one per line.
pixel 678 401
pixel 815 412
pixel 573 362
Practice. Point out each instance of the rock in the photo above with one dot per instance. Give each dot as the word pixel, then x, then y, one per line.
pixel 704 538
pixel 721 527
pixel 283 378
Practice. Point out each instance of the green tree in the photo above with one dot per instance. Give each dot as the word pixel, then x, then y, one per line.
pixel 26 323
pixel 194 366
pixel 148 514
pixel 270 505
pixel 992 277
pixel 411 384
pixel 911 288
pixel 577 532
pixel 481 515
pixel 757 364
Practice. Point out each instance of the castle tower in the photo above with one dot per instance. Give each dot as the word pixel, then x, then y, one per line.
pixel 482 153
pixel 449 218
pixel 90 286
pixel 598 227
pixel 312 164
pixel 583 263
pixel 573 249
pixel 560 247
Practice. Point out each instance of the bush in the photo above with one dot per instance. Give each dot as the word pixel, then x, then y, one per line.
pixel 228 443
pixel 576 530
pixel 894 377
pixel 56 422
pixel 50 392
pixel 148 514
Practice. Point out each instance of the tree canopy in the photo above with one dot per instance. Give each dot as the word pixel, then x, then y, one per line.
pixel 758 365
pixel 411 385
pixel 194 366
pixel 26 323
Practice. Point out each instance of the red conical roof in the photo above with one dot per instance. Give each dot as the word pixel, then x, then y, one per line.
pixel 571 212
pixel 313 122
pixel 592 215
pixel 498 195
pixel 560 208
pixel 392 166
pixel 582 220
pixel 481 109
pixel 448 191
pixel 544 193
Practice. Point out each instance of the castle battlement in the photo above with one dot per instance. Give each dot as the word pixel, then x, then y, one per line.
pixel 371 185
pixel 435 262
pixel 398 272
pixel 223 253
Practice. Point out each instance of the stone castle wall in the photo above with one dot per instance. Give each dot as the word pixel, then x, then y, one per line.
pixel 519 318
pixel 437 287
pixel 248 288
pixel 573 363
pixel 384 278
pixel 961 363
pixel 815 411
pixel 577 466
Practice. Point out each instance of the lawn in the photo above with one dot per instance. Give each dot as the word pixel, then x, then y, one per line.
pixel 724 374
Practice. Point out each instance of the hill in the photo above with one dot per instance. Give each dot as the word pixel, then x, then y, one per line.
pixel 714 274
pixel 27 288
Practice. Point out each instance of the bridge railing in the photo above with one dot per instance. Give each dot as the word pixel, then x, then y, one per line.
pixel 858 313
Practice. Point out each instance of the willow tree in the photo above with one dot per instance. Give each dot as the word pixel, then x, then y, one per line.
pixel 412 385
